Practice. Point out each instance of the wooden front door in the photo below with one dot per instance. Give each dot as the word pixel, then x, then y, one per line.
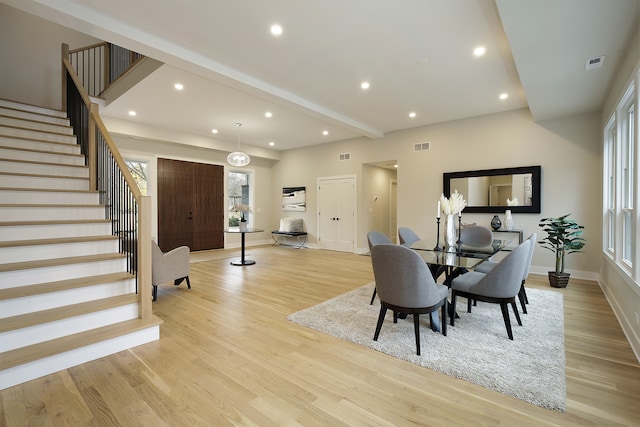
pixel 190 205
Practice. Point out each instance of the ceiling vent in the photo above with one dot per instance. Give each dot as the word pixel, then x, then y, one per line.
pixel 422 146
pixel 594 63
pixel 345 156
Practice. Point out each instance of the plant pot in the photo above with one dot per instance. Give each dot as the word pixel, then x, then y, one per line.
pixel 558 280
pixel 242 225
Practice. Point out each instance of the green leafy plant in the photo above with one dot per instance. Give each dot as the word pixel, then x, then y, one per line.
pixel 564 236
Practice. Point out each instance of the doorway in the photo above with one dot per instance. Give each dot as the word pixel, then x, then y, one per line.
pixel 337 213
pixel 190 205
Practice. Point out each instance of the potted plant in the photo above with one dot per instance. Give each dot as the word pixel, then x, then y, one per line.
pixel 564 236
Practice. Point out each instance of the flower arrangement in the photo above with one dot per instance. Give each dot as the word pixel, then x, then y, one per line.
pixel 453 205
pixel 514 202
pixel 243 209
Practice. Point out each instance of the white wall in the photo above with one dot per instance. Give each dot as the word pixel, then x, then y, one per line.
pixel 567 149
pixel 31 59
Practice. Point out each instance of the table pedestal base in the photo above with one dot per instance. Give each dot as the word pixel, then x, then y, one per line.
pixel 243 262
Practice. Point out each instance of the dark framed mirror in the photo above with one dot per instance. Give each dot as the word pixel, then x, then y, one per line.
pixel 487 191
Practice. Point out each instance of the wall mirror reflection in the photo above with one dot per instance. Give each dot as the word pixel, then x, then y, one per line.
pixel 495 190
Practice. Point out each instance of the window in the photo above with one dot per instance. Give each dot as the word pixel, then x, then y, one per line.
pixel 609 187
pixel 138 170
pixel 239 194
pixel 620 184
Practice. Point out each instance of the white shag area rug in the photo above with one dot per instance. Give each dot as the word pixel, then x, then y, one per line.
pixel 476 349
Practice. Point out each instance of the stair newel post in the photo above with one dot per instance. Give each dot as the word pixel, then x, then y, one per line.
pixel 144 257
pixel 93 153
pixel 65 55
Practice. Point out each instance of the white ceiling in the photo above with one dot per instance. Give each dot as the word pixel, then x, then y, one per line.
pixel 416 54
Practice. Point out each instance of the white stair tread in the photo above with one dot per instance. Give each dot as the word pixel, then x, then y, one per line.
pixel 54 262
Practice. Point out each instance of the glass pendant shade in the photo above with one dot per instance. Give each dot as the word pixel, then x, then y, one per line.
pixel 238 158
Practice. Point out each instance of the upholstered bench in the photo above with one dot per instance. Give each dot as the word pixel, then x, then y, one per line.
pixel 290 227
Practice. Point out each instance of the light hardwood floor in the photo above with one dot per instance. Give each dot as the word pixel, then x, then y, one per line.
pixel 228 356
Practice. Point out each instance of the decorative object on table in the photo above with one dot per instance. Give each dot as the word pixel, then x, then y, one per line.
pixel 451 206
pixel 244 211
pixel 495 222
pixel 238 158
pixel 564 236
pixel 513 202
pixel 508 219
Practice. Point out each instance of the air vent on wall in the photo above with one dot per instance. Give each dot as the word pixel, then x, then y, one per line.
pixel 422 146
pixel 345 156
pixel 594 63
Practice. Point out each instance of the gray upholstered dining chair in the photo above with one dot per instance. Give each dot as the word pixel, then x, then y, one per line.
pixel 407 236
pixel 487 266
pixel 169 266
pixel 376 238
pixel 476 236
pixel 405 285
pixel 500 285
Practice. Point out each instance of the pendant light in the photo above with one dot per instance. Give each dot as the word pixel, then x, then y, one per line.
pixel 238 158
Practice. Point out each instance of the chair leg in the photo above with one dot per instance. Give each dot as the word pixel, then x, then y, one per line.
pixel 383 311
pixel 416 330
pixel 505 315
pixel 452 307
pixel 373 296
pixel 524 293
pixel 521 297
pixel 515 310
pixel 188 282
pixel 445 308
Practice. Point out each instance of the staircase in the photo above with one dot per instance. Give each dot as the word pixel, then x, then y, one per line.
pixel 65 294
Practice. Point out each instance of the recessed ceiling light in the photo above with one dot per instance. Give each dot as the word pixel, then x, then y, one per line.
pixel 214 130
pixel 504 96
pixel 365 85
pixel 325 132
pixel 132 113
pixel 268 114
pixel 412 114
pixel 479 51
pixel 178 86
pixel 276 30
pixel 271 143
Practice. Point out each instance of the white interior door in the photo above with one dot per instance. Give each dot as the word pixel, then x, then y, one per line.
pixel 336 213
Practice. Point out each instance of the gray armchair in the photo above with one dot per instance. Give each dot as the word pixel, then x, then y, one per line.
pixel 169 266
pixel 487 266
pixel 407 236
pixel 376 238
pixel 500 286
pixel 405 285
pixel 475 236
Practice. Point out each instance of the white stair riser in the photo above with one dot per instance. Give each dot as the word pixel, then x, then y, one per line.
pixel 29 144
pixel 39 368
pixel 37 156
pixel 52 231
pixel 33 125
pixel 43 182
pixel 10 279
pixel 44 169
pixel 27 115
pixel 34 134
pixel 32 108
pixel 48 197
pixel 36 252
pixel 35 334
pixel 18 306
pixel 50 213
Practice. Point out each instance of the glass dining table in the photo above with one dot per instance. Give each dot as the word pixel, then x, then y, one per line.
pixel 453 262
